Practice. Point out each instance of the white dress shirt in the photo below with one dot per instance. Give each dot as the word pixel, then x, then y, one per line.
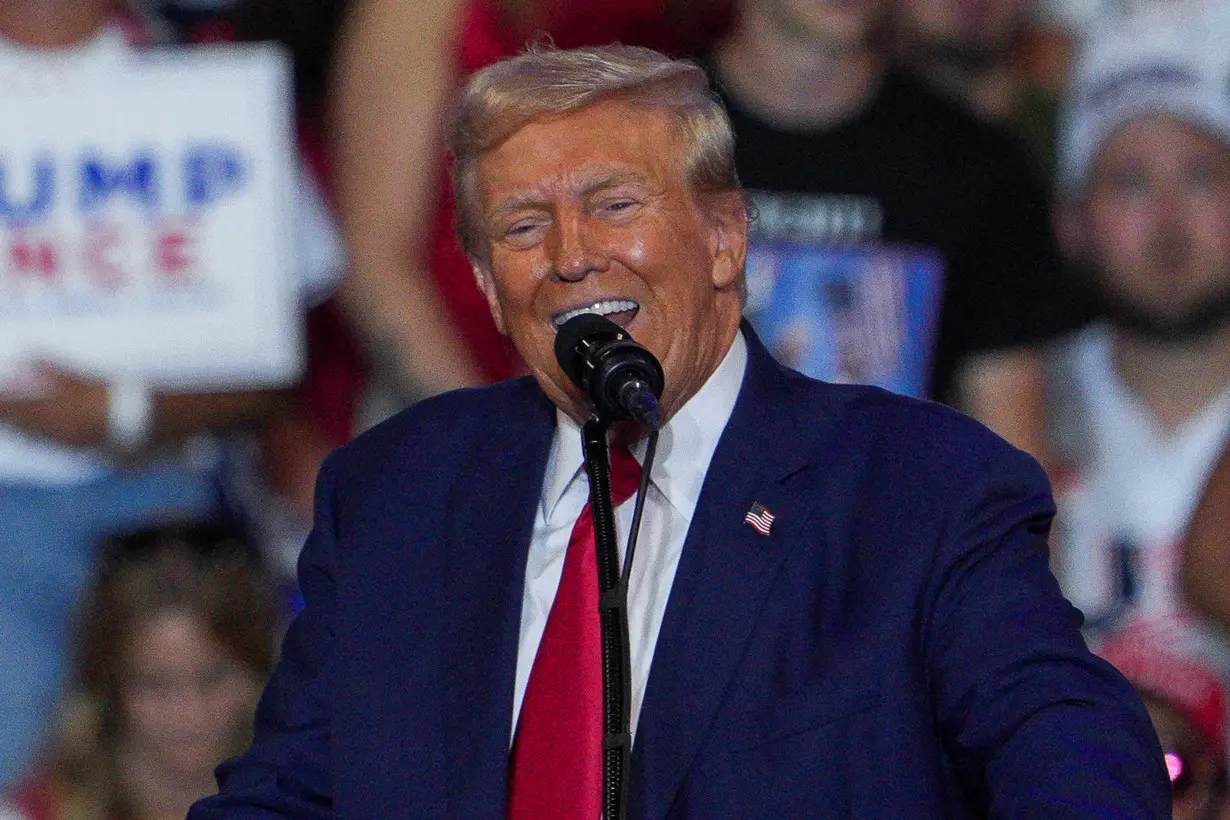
pixel 685 448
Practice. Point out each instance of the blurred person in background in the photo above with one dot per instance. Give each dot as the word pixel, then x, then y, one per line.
pixel 837 148
pixel 79 457
pixel 964 48
pixel 322 414
pixel 325 413
pixel 1186 701
pixel 1006 60
pixel 1142 398
pixel 1205 563
pixel 175 640
pixel 410 290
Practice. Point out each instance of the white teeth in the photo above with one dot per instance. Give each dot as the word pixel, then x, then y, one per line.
pixel 601 308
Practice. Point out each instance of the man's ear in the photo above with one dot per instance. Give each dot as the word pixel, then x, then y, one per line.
pixel 487 285
pixel 727 238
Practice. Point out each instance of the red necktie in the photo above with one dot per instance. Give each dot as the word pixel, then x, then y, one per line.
pixel 556 762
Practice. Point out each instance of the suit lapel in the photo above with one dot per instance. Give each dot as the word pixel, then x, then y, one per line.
pixel 725 573
pixel 491 520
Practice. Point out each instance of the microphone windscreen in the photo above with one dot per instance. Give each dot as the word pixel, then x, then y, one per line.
pixel 570 336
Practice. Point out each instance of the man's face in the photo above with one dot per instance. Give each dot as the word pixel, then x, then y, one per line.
pixel 592 210
pixel 1158 223
pixel 968 24
pixel 839 23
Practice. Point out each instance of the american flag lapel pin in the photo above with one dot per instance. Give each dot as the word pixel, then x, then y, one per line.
pixel 759 518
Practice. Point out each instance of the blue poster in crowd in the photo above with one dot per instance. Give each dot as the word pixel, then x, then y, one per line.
pixel 856 314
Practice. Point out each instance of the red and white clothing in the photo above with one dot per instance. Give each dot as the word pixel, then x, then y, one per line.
pixel 1126 503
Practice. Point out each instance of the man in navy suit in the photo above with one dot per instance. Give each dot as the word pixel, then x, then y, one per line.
pixel 890 644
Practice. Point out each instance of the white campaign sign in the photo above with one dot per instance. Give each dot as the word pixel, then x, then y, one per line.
pixel 145 225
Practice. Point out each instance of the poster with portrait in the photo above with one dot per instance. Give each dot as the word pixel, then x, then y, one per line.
pixel 145 225
pixel 856 313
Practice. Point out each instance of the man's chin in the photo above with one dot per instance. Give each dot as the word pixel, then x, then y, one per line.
pixel 1191 324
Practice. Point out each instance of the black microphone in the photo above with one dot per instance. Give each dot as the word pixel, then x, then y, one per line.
pixel 621 378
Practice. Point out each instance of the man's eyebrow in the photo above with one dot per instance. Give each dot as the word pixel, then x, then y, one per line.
pixel 583 186
pixel 514 204
pixel 613 180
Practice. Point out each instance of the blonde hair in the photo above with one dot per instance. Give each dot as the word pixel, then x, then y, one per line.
pixel 193 567
pixel 545 81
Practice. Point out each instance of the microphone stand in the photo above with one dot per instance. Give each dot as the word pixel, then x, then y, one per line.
pixel 613 613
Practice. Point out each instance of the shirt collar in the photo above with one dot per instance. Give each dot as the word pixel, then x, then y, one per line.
pixel 685 446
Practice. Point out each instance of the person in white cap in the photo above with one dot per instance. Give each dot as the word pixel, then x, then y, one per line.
pixel 1142 398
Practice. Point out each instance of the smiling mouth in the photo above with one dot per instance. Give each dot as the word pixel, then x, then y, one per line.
pixel 619 311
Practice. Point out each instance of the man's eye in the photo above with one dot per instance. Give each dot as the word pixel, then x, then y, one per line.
pixel 618 206
pixel 152 684
pixel 1130 182
pixel 1205 178
pixel 520 233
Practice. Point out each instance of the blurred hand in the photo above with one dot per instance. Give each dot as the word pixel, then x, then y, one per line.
pixel 61 406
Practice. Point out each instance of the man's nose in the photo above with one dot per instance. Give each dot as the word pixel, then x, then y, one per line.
pixel 1171 214
pixel 1171 206
pixel 575 252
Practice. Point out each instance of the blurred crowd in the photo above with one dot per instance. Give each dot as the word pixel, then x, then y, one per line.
pixel 1027 202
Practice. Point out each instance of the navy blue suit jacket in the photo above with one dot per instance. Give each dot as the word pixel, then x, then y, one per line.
pixel 896 648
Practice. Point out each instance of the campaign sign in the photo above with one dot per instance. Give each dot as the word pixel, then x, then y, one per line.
pixel 145 229
pixel 861 314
